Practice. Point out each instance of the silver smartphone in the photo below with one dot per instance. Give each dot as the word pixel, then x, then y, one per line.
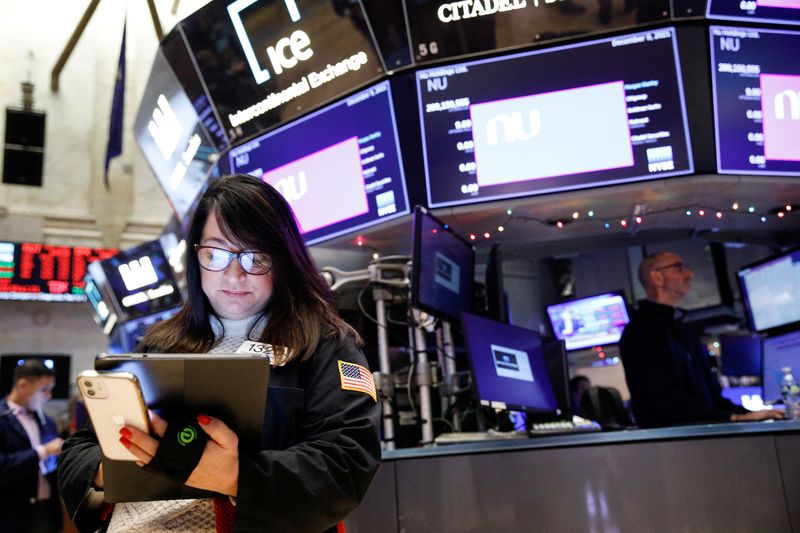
pixel 113 400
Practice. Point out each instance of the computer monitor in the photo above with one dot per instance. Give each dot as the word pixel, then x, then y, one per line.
pixel 502 127
pixel 339 168
pixel 443 268
pixel 591 321
pixel 59 363
pixel 771 292
pixel 740 354
pixel 133 331
pixel 509 367
pixel 141 281
pixel 755 78
pixel 783 11
pixel 779 352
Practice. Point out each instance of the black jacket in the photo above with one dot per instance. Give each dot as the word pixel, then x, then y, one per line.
pixel 19 473
pixel 667 371
pixel 322 449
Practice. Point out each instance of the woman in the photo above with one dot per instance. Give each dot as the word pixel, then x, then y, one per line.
pixel 251 278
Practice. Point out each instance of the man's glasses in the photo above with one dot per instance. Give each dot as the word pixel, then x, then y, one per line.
pixel 218 259
pixel 680 266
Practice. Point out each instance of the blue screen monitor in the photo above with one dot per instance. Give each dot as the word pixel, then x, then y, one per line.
pixel 783 11
pixel 756 82
pixel 592 321
pixel 553 120
pixel 748 397
pixel 771 292
pixel 339 168
pixel 741 355
pixel 779 352
pixel 508 366
pixel 443 268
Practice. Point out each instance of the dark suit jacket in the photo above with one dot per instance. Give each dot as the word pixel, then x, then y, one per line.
pixel 667 371
pixel 19 473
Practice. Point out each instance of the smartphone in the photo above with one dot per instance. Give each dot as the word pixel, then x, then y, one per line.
pixel 113 400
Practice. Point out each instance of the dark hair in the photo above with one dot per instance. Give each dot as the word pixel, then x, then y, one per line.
pixel 32 369
pixel 302 309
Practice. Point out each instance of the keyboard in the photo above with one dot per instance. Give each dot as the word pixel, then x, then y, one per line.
pixel 478 436
pixel 560 427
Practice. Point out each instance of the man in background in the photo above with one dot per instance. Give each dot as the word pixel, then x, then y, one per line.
pixel 29 444
pixel 666 365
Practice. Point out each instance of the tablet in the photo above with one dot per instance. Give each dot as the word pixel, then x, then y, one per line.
pixel 231 387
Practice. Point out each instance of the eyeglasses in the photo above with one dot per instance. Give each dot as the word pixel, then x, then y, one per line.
pixel 218 259
pixel 680 266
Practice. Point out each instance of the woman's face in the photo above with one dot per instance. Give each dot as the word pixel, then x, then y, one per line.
pixel 234 294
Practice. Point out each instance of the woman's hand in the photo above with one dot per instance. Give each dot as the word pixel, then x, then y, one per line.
pixel 218 469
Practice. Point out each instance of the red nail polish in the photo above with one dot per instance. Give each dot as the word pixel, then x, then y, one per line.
pixel 125 432
pixel 125 442
pixel 204 419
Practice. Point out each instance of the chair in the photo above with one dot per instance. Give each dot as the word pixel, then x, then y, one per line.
pixel 604 405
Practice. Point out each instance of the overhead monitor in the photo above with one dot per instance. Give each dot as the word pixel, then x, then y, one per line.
pixel 443 268
pixel 339 168
pixel 58 363
pixel 782 11
pixel 264 63
pixel 740 355
pixel 46 272
pixel 588 322
pixel 756 89
pixel 771 292
pixel 508 366
pixel 141 281
pixel 582 115
pixel 174 141
pixel 779 352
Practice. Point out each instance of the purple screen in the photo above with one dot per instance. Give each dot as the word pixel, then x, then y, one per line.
pixel 756 80
pixel 339 168
pixel 786 11
pixel 593 321
pixel 508 365
pixel 602 112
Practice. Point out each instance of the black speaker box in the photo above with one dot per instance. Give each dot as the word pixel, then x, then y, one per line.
pixel 23 156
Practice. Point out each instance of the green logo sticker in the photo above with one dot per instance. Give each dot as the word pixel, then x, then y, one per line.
pixel 187 435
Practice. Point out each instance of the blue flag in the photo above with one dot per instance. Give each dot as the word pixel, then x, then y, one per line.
pixel 114 147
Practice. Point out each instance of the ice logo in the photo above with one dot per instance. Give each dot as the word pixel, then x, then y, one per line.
pixel 514 127
pixel 293 187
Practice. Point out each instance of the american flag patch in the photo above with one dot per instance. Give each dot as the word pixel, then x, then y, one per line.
pixel 356 377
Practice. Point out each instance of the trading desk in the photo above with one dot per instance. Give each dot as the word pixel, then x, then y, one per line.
pixel 720 477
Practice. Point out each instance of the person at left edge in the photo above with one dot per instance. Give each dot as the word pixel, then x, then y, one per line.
pixel 250 277
pixel 29 444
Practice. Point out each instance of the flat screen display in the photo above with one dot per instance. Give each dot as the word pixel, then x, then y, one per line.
pixel 266 62
pixel 141 280
pixel 784 11
pixel 740 354
pixel 508 365
pixel 603 112
pixel 173 139
pixel 779 352
pixel 339 168
pixel 58 363
pixel 443 268
pixel 440 29
pixel 771 292
pixel 756 88
pixel 587 322
pixel 46 272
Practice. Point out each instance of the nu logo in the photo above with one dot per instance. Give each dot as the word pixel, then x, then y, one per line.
pixel 187 435
pixel 293 187
pixel 298 42
pixel 793 98
pixel 138 273
pixel 165 128
pixel 514 127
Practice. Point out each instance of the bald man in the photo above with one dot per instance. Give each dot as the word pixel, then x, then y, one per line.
pixel 666 365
